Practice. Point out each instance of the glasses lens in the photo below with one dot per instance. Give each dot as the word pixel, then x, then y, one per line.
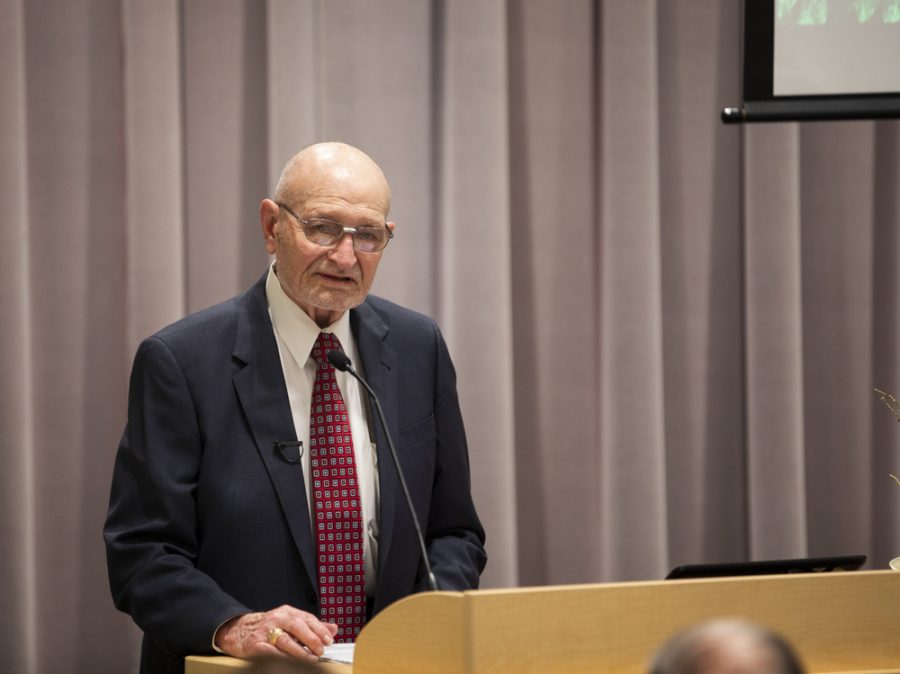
pixel 323 232
pixel 370 239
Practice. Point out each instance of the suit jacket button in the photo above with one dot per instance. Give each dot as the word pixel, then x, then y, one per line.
pixel 311 597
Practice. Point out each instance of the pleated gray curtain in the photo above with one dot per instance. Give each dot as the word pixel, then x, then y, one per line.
pixel 667 331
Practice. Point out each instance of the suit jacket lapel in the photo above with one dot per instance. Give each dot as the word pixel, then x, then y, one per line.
pixel 263 396
pixel 380 370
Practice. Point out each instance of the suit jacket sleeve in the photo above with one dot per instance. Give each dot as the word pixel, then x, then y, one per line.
pixel 407 363
pixel 152 527
pixel 455 536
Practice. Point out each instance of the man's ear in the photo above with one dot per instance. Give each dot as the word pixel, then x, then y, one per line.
pixel 268 219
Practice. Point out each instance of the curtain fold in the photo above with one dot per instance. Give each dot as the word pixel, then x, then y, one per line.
pixel 884 496
pixel 471 220
pixel 631 481
pixel 702 287
pixel 554 274
pixel 225 152
pixel 667 331
pixel 154 166
pixel 837 259
pixel 774 342
pixel 18 566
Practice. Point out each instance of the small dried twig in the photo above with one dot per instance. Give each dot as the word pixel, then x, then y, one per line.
pixel 894 407
pixel 890 401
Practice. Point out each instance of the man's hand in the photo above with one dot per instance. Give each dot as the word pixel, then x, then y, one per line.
pixel 284 630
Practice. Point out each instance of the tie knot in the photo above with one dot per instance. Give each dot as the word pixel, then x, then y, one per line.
pixel 325 342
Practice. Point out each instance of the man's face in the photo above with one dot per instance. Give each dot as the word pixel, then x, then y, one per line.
pixel 325 282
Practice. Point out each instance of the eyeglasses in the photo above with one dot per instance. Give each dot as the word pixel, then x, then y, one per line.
pixel 328 233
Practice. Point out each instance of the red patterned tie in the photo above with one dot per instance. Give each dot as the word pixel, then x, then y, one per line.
pixel 339 530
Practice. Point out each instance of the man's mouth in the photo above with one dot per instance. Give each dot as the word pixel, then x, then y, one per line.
pixel 337 278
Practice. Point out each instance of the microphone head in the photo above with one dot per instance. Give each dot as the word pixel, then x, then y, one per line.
pixel 339 360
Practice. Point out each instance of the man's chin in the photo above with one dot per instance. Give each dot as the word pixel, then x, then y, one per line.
pixel 336 302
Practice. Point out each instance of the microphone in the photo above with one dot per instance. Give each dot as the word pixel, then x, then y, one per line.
pixel 286 449
pixel 340 361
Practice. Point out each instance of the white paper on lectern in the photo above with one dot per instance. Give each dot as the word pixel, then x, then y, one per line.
pixel 342 653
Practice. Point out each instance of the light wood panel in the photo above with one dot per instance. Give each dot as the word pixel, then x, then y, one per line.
pixel 839 623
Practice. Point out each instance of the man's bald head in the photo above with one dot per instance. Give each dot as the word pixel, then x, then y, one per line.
pixel 331 167
pixel 727 646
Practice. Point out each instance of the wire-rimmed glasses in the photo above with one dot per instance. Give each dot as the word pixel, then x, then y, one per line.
pixel 328 233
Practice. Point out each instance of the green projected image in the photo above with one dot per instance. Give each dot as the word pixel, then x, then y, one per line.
pixel 821 12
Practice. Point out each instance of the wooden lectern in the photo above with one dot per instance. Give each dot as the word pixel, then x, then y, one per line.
pixel 838 622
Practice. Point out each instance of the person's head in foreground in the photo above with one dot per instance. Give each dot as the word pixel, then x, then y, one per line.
pixel 726 646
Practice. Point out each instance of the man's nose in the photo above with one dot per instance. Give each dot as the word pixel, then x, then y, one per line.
pixel 343 253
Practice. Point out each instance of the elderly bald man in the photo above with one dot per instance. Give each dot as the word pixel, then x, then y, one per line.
pixel 254 506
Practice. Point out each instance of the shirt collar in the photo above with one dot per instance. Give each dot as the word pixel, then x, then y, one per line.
pixel 295 328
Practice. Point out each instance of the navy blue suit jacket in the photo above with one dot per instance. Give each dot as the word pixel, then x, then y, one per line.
pixel 207 520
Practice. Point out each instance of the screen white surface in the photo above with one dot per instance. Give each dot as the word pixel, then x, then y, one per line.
pixel 828 47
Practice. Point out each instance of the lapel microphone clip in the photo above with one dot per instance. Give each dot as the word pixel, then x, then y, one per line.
pixel 290 450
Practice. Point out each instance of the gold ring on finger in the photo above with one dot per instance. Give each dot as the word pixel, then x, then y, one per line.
pixel 274 634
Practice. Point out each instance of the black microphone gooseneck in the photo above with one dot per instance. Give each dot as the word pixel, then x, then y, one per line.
pixel 340 361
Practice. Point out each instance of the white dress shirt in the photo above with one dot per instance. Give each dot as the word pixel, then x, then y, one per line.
pixel 296 333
